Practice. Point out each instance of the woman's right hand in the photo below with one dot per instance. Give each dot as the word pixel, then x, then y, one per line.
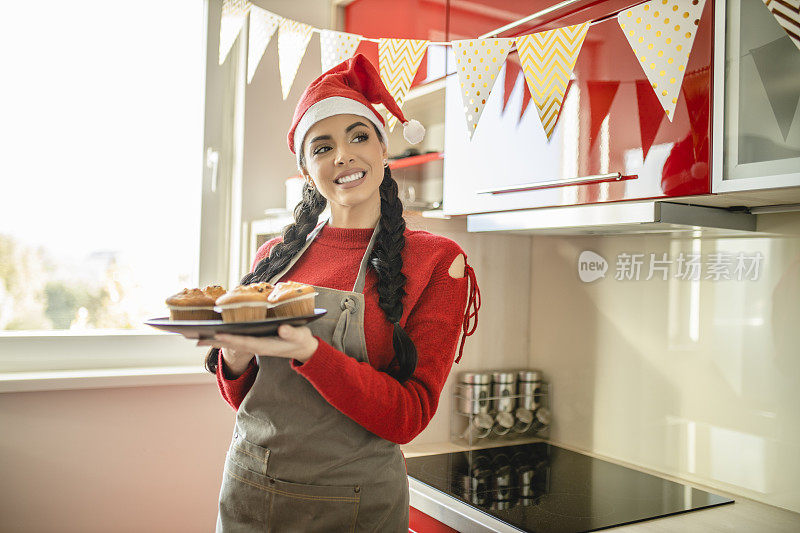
pixel 235 363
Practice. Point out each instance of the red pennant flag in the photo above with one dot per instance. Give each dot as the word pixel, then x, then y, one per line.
pixel 513 69
pixel 650 114
pixel 601 94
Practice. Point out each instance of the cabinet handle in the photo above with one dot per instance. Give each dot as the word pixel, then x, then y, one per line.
pixel 583 180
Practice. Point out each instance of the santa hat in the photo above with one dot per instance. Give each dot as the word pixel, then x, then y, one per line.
pixel 351 87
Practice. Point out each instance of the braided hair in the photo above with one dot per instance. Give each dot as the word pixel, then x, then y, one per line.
pixel 386 259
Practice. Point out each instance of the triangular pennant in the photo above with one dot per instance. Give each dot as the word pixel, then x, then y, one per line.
pixel 661 34
pixel 650 117
pixel 233 15
pixel 777 63
pixel 787 13
pixel 697 93
pixel 293 38
pixel 526 99
pixel 548 58
pixel 262 27
pixel 601 95
pixel 512 73
pixel 336 46
pixel 398 61
pixel 478 62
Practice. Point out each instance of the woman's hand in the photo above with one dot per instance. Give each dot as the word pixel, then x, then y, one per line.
pixel 291 343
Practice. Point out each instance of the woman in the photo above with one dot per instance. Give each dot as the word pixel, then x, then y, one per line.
pixel 322 408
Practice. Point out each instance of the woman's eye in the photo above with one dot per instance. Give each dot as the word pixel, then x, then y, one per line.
pixel 362 136
pixel 321 150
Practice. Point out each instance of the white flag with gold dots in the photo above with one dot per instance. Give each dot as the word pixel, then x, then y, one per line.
pixel 478 62
pixel 262 27
pixel 293 38
pixel 336 46
pixel 661 34
pixel 233 15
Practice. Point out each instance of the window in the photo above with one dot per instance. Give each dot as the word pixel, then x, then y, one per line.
pixel 102 126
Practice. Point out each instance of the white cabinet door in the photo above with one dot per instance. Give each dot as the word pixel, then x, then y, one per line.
pixel 756 93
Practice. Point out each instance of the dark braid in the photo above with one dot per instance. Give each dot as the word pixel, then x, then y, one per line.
pixel 306 214
pixel 386 259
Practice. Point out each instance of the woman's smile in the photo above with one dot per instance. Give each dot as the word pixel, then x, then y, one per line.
pixel 350 178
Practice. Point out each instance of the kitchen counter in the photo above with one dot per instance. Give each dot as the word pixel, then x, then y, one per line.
pixel 743 515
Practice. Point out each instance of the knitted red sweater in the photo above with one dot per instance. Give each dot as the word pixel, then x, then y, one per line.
pixel 433 316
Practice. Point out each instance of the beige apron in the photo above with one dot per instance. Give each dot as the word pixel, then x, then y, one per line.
pixel 296 463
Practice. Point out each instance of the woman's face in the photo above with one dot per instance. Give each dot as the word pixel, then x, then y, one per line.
pixel 344 156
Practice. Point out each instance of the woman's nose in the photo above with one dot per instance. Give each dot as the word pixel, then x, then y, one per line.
pixel 342 157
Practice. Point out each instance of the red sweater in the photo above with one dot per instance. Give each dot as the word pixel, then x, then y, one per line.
pixel 433 316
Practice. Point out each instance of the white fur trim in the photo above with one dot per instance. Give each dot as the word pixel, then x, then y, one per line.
pixel 335 105
pixel 413 131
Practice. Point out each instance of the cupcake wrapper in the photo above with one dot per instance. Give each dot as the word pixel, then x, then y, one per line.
pixel 245 313
pixel 202 313
pixel 299 306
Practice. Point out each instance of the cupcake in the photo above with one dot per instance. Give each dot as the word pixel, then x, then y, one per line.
pixel 290 298
pixel 245 303
pixel 195 304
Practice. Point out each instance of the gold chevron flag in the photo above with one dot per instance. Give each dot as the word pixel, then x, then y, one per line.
pixel 661 34
pixel 478 62
pixel 336 46
pixel 262 27
pixel 548 58
pixel 398 61
pixel 233 15
pixel 293 38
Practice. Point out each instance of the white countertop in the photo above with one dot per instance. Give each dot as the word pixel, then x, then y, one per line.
pixel 742 515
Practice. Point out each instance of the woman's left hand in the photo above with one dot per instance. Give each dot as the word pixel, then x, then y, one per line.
pixel 291 343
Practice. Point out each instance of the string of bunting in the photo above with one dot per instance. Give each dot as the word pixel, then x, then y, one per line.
pixel 660 33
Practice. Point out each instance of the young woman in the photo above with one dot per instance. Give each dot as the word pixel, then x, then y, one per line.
pixel 322 408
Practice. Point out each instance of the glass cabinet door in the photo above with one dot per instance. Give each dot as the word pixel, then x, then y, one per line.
pixel 756 100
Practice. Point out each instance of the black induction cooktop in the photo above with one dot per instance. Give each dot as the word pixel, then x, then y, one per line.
pixel 544 488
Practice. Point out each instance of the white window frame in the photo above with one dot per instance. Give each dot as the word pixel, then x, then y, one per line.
pixel 63 359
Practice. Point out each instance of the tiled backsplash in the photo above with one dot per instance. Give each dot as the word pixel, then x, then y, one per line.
pixel 698 378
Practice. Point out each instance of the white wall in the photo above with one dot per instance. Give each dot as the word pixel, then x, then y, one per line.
pixel 697 380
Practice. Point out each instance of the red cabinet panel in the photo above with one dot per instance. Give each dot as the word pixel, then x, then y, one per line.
pixel 419 522
pixel 507 150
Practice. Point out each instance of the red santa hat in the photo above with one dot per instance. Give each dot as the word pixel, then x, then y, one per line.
pixel 351 87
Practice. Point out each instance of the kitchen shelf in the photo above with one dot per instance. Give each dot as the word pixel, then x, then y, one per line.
pixel 415 160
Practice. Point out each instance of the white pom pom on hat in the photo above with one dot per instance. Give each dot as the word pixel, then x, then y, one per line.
pixel 413 131
pixel 351 87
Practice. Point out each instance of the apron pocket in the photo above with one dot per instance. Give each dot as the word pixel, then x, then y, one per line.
pixel 244 496
pixel 312 508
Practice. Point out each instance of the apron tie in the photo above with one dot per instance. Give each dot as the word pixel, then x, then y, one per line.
pixel 474 302
pixel 348 306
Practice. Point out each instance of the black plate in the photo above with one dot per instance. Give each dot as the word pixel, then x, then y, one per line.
pixel 206 329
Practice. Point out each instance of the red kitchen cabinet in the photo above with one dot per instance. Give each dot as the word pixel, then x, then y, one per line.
pixel 510 148
pixel 419 522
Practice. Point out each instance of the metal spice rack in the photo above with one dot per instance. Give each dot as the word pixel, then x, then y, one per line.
pixel 476 420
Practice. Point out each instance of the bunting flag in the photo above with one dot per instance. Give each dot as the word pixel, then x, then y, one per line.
pixel 661 34
pixel 336 46
pixel 601 95
pixel 233 15
pixel 511 74
pixel 398 61
pixel 787 13
pixel 778 66
pixel 478 62
pixel 293 38
pixel 262 27
pixel 548 58
pixel 650 117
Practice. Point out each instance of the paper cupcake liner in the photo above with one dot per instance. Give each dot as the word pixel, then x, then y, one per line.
pixel 192 313
pixel 244 313
pixel 298 306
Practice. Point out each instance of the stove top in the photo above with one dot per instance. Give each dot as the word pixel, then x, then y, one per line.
pixel 541 487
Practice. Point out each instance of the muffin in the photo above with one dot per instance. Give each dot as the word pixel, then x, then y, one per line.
pixel 245 303
pixel 195 304
pixel 290 298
